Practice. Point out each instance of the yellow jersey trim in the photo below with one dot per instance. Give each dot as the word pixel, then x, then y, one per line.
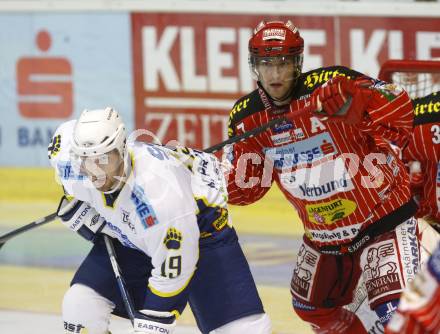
pixel 170 294
pixel 176 313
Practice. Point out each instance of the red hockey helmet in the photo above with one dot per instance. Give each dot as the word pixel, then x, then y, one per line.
pixel 276 39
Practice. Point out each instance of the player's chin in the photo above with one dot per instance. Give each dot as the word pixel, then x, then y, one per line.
pixel 278 94
pixel 277 91
pixel 102 185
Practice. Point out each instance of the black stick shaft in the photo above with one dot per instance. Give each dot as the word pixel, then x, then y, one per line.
pixel 119 279
pixel 243 136
pixel 4 238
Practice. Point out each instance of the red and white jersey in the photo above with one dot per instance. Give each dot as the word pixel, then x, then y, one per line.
pixel 340 178
pixel 424 147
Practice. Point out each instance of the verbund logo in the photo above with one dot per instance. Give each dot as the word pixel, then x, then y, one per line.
pixel 44 84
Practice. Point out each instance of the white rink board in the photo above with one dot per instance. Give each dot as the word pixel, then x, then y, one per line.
pixel 312 8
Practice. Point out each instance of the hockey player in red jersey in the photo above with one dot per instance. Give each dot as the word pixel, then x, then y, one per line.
pixel 424 149
pixel 419 309
pixel 336 168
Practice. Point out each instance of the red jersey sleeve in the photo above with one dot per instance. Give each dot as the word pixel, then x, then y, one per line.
pixel 249 175
pixel 390 113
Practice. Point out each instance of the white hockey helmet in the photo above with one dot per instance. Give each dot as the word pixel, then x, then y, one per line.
pixel 98 132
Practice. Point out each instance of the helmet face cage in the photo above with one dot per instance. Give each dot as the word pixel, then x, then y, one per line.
pixel 281 61
pixel 279 40
pixel 96 134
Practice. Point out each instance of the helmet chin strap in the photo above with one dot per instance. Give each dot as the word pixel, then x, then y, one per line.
pixel 121 179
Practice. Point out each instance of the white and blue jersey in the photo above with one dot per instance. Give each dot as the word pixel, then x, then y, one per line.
pixel 173 202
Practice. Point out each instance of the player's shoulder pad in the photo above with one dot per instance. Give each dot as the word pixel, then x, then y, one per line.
pixel 152 159
pixel 311 80
pixel 60 143
pixel 244 107
pixel 427 109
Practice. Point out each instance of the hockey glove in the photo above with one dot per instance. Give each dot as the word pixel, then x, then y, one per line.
pixel 154 322
pixel 342 100
pixel 80 217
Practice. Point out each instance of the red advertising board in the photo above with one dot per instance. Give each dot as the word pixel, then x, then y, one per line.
pixel 190 68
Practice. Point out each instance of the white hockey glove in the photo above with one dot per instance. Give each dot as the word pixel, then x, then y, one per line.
pixel 80 217
pixel 154 322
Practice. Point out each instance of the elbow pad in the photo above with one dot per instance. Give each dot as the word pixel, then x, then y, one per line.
pixel 80 217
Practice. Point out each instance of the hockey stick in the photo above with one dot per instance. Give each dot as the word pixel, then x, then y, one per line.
pixel 256 131
pixel 128 303
pixel 245 135
pixel 215 148
pixel 4 238
pixel 212 149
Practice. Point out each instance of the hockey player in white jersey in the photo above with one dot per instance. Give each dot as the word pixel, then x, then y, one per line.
pixel 166 210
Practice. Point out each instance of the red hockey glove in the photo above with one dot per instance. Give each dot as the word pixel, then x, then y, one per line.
pixel 342 100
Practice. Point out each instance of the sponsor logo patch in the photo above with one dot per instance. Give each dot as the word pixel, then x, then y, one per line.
pixel 391 161
pixel 380 270
pixel 126 220
pixel 298 133
pixel 222 220
pixel 406 237
pixel 285 126
pixel 66 171
pixel 318 182
pixel 304 272
pixel 279 34
pixel 345 233
pixel 73 328
pixel 330 212
pixel 389 91
pixel 317 78
pixel 281 138
pixel 123 238
pixel 144 210
pixel 301 306
pixel 302 152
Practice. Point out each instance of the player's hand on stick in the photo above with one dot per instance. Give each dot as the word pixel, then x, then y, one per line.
pixel 154 322
pixel 342 100
pixel 80 217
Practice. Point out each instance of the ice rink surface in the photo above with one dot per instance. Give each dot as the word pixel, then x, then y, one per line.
pixel 16 322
